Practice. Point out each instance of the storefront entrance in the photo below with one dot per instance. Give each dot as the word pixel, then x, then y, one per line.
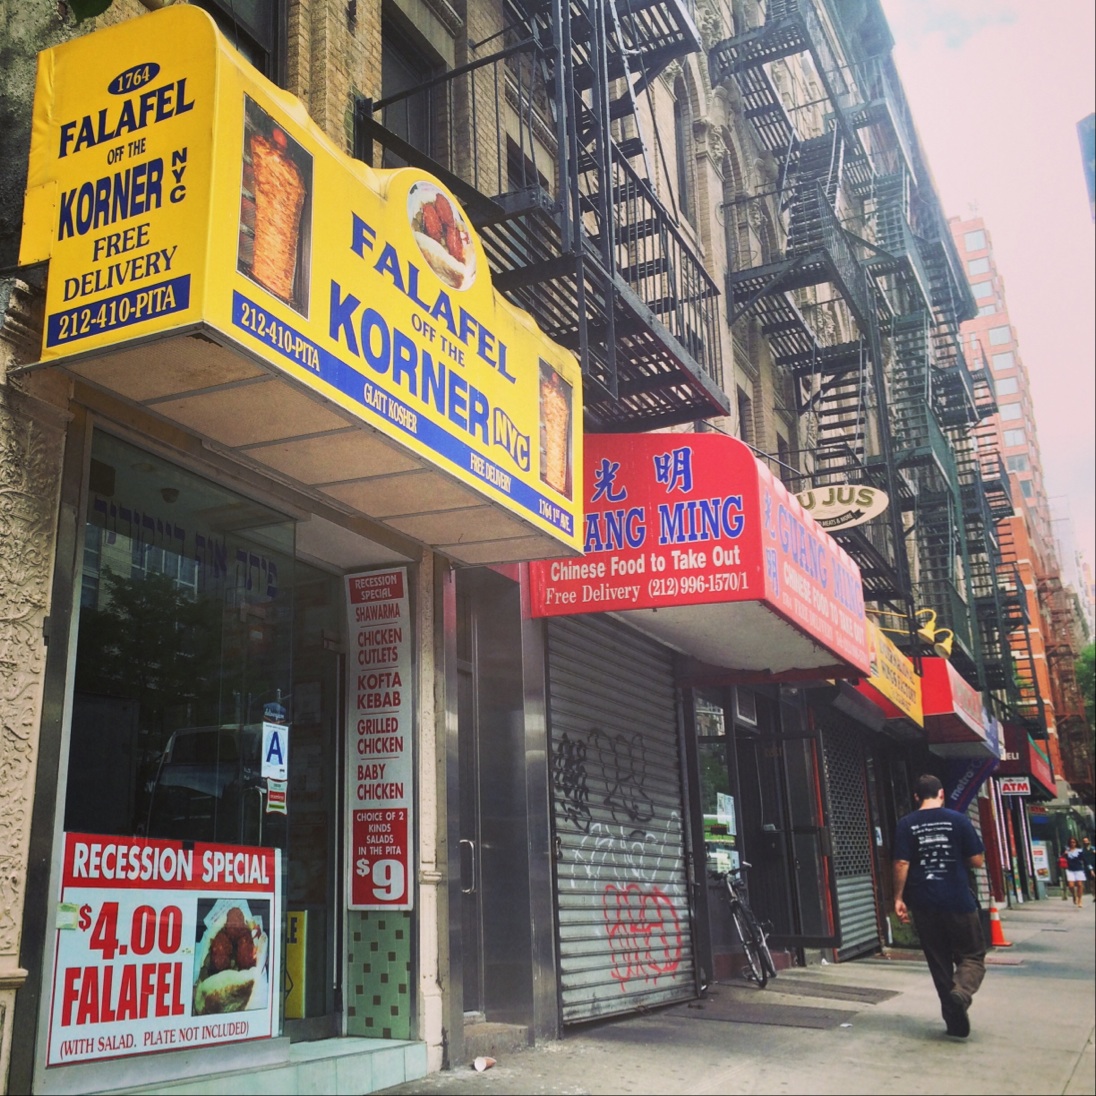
pixel 206 715
pixel 761 802
pixel 496 938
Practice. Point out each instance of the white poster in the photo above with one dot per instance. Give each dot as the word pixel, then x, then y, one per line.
pixel 162 947
pixel 379 764
pixel 1040 860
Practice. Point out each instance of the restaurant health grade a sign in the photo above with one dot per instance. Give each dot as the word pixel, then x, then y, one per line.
pixel 172 187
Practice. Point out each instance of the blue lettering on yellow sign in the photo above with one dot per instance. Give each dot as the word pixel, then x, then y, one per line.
pixel 154 105
pixel 404 276
pixel 349 380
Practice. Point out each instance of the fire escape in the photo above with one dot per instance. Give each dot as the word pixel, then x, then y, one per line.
pixel 1074 734
pixel 936 402
pixel 546 153
pixel 817 300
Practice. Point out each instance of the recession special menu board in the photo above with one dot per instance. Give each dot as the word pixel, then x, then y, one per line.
pixel 379 768
pixel 162 946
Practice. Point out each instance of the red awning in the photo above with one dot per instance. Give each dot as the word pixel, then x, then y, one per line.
pixel 954 719
pixel 691 539
pixel 1023 757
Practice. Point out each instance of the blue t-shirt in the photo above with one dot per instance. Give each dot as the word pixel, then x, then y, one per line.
pixel 937 843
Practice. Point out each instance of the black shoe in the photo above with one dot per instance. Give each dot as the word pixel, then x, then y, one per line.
pixel 955 1016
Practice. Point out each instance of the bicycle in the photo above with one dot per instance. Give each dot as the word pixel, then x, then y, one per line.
pixel 759 961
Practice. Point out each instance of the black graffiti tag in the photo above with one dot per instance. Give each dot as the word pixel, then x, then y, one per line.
pixel 623 762
pixel 569 781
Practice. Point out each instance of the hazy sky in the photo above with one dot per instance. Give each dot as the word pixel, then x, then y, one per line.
pixel 997 88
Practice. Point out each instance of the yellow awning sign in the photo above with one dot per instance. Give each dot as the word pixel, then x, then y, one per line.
pixel 894 677
pixel 172 189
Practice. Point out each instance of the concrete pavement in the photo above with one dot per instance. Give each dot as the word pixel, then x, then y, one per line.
pixel 868 1026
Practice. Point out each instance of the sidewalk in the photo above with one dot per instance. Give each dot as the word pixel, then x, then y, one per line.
pixel 869 1026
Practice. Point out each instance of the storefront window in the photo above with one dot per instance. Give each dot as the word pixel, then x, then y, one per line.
pixel 185 646
pixel 716 795
pixel 176 808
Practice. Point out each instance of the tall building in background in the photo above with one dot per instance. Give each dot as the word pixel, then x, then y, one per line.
pixel 1044 662
pixel 1086 134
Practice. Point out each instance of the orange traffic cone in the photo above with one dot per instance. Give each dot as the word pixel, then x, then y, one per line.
pixel 996 933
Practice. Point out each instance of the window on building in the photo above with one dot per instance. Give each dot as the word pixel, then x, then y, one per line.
pixel 745 417
pixel 257 30
pixel 683 137
pixel 978 266
pixel 1004 360
pixel 1014 438
pixel 1019 463
pixel 1006 386
pixel 405 64
pixel 987 310
pixel 784 455
pixel 998 336
pixel 1010 412
pixel 1028 488
pixel 974 241
pixel 982 290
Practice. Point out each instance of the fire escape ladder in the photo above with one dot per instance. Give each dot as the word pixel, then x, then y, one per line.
pixel 552 169
pixel 842 384
pixel 911 390
pixel 897 251
pixel 1013 622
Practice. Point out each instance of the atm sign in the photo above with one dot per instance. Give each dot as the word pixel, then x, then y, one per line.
pixel 1015 785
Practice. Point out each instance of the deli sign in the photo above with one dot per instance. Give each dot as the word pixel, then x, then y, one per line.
pixel 1015 785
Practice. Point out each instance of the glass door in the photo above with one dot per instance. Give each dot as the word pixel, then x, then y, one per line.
pixel 313 919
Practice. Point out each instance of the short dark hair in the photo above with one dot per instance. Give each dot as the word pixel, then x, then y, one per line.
pixel 927 787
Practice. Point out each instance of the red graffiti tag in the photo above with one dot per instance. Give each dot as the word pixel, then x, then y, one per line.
pixel 644 932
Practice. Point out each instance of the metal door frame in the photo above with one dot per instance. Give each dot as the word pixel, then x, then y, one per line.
pixel 809 731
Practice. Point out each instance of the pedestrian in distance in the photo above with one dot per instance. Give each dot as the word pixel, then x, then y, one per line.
pixel 1075 871
pixel 934 848
pixel 1090 863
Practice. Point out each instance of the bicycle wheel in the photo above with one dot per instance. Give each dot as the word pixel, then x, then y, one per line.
pixel 766 955
pixel 753 945
pixel 761 946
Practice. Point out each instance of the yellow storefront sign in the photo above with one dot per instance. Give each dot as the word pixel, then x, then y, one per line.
pixel 296 965
pixel 893 675
pixel 173 188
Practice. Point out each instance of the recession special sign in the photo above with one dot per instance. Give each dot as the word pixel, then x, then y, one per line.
pixel 172 188
pixel 695 519
pixel 163 945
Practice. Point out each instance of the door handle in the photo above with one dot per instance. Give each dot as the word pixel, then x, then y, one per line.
pixel 472 866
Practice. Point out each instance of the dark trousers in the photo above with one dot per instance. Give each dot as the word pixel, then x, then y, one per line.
pixel 955 949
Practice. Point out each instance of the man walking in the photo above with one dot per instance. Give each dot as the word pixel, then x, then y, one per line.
pixel 933 848
pixel 1089 857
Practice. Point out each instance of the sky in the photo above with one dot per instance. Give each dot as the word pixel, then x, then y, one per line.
pixel 996 89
